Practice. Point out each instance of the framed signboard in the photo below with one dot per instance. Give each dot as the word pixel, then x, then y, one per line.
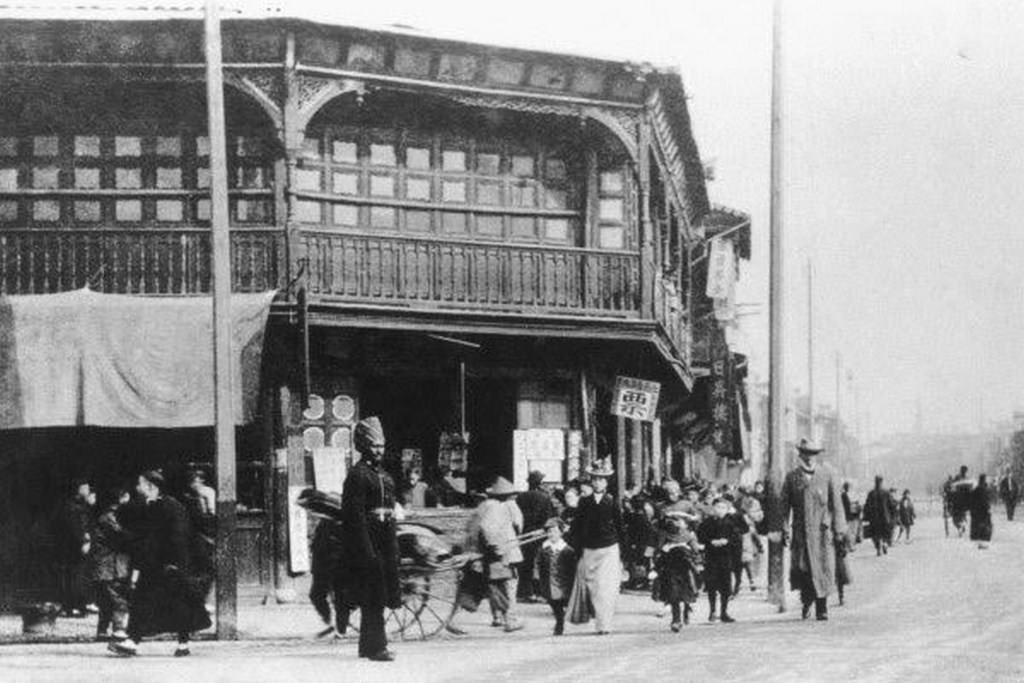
pixel 635 399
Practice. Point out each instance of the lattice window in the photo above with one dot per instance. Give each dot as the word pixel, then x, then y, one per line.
pixel 89 178
pixel 410 181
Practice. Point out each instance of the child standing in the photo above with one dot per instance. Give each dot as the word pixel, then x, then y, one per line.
pixel 553 570
pixel 905 515
pixel 109 565
pixel 719 535
pixel 677 568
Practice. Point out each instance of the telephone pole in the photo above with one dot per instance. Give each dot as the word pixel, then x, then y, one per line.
pixel 777 391
pixel 810 350
pixel 224 418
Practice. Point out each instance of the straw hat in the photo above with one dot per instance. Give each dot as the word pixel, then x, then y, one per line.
pixel 501 488
pixel 809 447
pixel 601 468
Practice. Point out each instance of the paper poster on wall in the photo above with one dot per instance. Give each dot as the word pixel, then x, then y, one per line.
pixel 573 446
pixel 298 533
pixel 329 469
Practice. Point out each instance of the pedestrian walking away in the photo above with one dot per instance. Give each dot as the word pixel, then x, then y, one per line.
pixel 906 515
pixel 596 533
pixel 878 517
pixel 369 544
pixel 980 507
pixel 165 597
pixel 811 495
pixel 1009 492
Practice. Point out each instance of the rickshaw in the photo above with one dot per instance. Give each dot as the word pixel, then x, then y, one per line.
pixel 430 572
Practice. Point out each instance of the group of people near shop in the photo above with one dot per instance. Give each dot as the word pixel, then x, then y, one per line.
pixel 140 558
pixel 570 549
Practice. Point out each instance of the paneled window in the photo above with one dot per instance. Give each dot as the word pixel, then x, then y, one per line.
pixel 85 178
pixel 611 209
pixel 401 180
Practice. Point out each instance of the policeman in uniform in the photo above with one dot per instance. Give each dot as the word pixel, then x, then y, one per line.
pixel 369 552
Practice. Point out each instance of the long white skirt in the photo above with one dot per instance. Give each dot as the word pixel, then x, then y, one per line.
pixel 596 589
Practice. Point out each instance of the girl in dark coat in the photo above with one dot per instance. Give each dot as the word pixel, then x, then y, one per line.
pixel 678 567
pixel 719 534
pixel 981 513
pixel 167 598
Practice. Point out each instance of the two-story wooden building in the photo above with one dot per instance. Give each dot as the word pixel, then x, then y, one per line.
pixel 468 241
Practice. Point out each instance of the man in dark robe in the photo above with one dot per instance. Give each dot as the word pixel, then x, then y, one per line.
pixel 1009 491
pixel 810 492
pixel 369 545
pixel 537 508
pixel 76 521
pixel 167 597
pixel 879 517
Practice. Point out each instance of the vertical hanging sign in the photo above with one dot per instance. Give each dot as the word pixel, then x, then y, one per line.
pixel 722 396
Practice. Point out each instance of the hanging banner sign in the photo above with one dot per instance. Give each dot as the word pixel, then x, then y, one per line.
pixel 721 269
pixel 723 397
pixel 636 399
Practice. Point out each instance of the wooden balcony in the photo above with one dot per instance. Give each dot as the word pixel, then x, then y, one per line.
pixel 135 261
pixel 471 276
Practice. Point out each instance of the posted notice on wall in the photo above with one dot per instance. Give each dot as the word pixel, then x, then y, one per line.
pixel 298 532
pixel 329 469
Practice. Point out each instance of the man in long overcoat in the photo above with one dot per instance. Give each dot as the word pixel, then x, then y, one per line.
pixel 537 508
pixel 369 545
pixel 810 492
pixel 167 597
pixel 878 515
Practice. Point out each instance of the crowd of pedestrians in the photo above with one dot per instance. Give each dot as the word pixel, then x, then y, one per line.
pixel 140 558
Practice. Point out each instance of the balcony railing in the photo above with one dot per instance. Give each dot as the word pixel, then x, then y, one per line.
pixel 135 261
pixel 475 276
pixel 670 312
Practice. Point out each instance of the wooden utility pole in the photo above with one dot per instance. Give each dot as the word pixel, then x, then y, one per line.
pixel 837 455
pixel 224 420
pixel 777 393
pixel 810 350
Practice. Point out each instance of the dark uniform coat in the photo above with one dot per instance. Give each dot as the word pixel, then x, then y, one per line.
pixel 555 571
pixel 168 598
pixel 719 560
pixel 818 522
pixel 369 545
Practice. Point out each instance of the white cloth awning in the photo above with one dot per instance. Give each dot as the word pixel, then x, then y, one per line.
pixel 111 360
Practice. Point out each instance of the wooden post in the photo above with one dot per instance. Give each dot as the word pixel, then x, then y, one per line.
pixel 777 395
pixel 224 420
pixel 620 456
pixel 637 455
pixel 656 453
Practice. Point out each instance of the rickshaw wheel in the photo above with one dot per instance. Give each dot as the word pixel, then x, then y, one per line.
pixel 428 603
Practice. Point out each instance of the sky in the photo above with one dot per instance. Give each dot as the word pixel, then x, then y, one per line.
pixel 903 155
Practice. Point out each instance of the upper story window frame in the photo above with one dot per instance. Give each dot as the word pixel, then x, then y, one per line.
pixel 141 175
pixel 442 184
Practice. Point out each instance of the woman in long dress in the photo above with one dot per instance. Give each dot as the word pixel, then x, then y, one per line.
pixel 597 532
pixel 981 513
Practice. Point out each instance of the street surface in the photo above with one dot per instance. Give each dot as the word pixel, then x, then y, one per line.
pixel 934 610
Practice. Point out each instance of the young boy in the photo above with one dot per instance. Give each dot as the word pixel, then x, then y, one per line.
pixel 554 569
pixel 109 565
pixel 719 535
